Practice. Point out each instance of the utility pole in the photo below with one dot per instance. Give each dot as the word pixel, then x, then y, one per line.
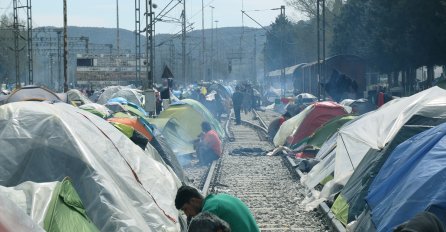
pixel 16 44
pixel 29 26
pixel 203 72
pixel 152 48
pixel 212 43
pixel 183 45
pixel 318 53
pixel 117 26
pixel 138 39
pixel 255 58
pixel 282 70
pixel 59 58
pixel 323 49
pixel 65 47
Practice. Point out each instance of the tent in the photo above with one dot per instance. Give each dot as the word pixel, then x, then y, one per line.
pixel 96 109
pixel 121 186
pixel 324 132
pixel 14 219
pixel 410 181
pixel 54 206
pixel 131 95
pixel 359 106
pixel 141 133
pixel 306 122
pixel 377 128
pixel 32 93
pixel 178 138
pixel 75 97
pixel 190 114
pixel 350 203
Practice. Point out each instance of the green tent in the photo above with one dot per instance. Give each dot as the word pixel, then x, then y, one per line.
pixel 54 206
pixel 350 203
pixel 66 211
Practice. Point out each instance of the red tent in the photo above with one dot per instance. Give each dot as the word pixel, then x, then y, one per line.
pixel 321 113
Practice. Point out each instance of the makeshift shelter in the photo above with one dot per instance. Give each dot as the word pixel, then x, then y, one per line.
pixel 128 106
pixel 141 133
pixel 326 131
pixel 32 93
pixel 190 114
pixel 76 98
pixel 306 122
pixel 359 106
pixel 54 206
pixel 122 187
pixel 96 109
pixel 131 95
pixel 377 128
pixel 350 203
pixel 13 218
pixel 410 181
pixel 177 136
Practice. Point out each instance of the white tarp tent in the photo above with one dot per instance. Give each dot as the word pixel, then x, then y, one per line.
pixel 377 128
pixel 122 187
pixel 289 126
pixel 14 219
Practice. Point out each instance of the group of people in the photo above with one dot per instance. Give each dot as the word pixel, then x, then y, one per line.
pixel 215 212
pixel 245 98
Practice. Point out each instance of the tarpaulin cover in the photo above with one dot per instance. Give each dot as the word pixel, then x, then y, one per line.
pixel 75 97
pixel 410 181
pixel 32 93
pixel 131 95
pixel 55 206
pixel 122 188
pixel 14 219
pixel 321 113
pixel 350 203
pixel 326 131
pixel 96 109
pixel 377 128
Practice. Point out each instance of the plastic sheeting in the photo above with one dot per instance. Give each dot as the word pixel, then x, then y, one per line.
pixel 377 128
pixel 121 187
pixel 33 198
pixel 14 219
pixel 409 181
pixel 131 95
pixel 289 126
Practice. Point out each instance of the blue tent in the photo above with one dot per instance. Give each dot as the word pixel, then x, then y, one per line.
pixel 411 181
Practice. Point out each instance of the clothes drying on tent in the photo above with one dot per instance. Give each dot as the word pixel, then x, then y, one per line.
pixel 408 182
pixel 105 166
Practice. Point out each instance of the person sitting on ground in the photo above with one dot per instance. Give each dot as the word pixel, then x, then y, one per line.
pixel 209 145
pixel 274 126
pixel 228 208
pixel 208 222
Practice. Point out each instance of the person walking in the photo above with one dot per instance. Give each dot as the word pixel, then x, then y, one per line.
pixel 227 207
pixel 237 100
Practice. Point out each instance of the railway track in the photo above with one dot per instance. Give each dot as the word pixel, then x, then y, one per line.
pixel 267 184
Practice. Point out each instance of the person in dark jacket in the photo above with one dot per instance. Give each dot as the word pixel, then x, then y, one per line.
pixel 237 100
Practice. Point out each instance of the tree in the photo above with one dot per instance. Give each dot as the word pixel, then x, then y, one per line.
pixel 280 44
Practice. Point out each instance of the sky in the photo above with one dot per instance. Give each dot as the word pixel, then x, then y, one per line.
pixel 102 13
